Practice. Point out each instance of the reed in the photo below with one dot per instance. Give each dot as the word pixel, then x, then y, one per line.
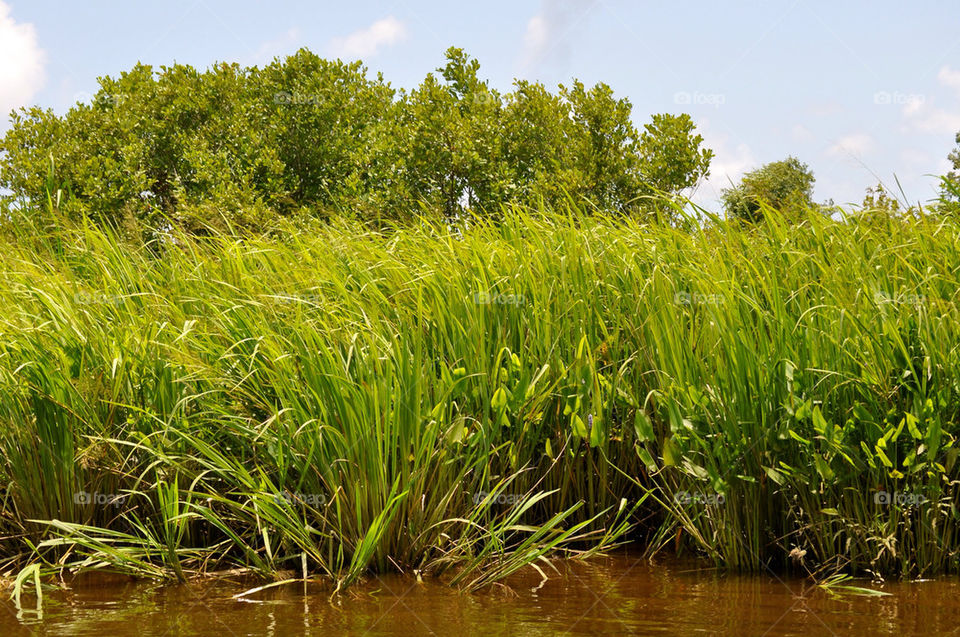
pixel 342 401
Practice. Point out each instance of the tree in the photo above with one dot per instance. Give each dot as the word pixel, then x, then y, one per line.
pixel 878 200
pixel 234 146
pixel 605 158
pixel 783 185
pixel 949 199
pixel 672 160
pixel 448 135
pixel 229 144
pixel 954 158
pixel 535 127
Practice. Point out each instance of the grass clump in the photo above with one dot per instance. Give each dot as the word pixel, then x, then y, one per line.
pixel 345 401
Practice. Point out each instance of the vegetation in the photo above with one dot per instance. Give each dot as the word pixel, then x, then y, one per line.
pixel 954 158
pixel 949 200
pixel 233 147
pixel 785 185
pixel 294 321
pixel 345 401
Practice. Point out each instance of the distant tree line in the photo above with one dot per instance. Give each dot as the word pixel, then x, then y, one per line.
pixel 234 147
pixel 303 135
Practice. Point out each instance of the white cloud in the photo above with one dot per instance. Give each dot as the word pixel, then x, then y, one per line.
pixel 925 117
pixel 367 42
pixel 801 133
pixel 912 107
pixel 537 37
pixel 916 159
pixel 549 32
pixel 855 144
pixel 934 120
pixel 949 77
pixel 22 66
pixel 286 44
pixel 730 162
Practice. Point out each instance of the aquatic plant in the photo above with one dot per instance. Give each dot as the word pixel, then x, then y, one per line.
pixel 341 401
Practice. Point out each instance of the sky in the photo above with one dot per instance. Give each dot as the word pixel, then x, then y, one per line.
pixel 862 92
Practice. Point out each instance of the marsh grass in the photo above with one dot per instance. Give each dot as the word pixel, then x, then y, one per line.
pixel 342 401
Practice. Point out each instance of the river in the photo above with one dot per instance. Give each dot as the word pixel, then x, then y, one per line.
pixel 617 595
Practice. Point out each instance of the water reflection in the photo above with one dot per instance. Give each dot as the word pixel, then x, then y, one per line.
pixel 621 594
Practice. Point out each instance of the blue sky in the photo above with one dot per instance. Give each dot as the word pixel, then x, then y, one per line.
pixel 861 91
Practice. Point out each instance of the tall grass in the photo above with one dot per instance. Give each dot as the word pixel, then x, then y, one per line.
pixel 346 401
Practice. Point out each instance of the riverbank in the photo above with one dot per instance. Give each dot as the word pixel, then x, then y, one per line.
pixel 344 402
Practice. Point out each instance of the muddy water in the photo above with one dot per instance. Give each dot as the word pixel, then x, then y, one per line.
pixel 619 595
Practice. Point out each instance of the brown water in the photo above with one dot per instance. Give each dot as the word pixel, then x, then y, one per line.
pixel 619 595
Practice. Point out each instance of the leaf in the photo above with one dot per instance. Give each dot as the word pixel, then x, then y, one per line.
pixel 579 429
pixel 582 347
pixel 893 434
pixel 823 468
pixel 933 437
pixel 643 427
pixel 866 452
pixel 533 383
pixel 951 460
pixel 859 590
pixel 910 459
pixel 670 453
pixel 862 414
pixel 695 470
pixel 499 399
pixel 597 432
pixel 819 422
pixel 774 475
pixel 676 420
pixel 883 457
pixel 647 459
pixel 912 426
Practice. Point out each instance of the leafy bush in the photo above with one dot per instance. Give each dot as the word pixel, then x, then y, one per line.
pixel 783 185
pixel 234 146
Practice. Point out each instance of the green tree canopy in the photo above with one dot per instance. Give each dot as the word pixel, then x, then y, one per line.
pixel 782 185
pixel 949 200
pixel 235 145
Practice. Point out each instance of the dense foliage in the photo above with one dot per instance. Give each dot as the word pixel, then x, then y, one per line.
pixel 342 397
pixel 345 400
pixel 233 146
pixel 785 185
